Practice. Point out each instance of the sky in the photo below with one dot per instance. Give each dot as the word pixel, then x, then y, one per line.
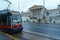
pixel 25 4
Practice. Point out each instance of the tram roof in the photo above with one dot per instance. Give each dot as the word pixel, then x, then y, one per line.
pixel 5 11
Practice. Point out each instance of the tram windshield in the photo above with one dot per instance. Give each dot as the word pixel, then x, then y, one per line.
pixel 16 18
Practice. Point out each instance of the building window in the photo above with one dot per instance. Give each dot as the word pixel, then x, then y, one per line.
pixel 43 17
pixel 47 14
pixel 40 9
pixel 59 12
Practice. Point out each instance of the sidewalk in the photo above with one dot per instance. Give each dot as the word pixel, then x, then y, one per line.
pixel 4 37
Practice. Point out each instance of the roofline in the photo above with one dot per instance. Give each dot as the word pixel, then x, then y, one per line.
pixel 37 8
pixel 53 9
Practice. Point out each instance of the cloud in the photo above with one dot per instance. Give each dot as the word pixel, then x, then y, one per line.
pixel 25 4
pixel 3 4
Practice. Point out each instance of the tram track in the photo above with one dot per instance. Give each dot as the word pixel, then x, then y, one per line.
pixel 20 36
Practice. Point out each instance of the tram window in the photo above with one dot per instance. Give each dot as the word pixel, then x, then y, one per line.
pixel 0 19
pixel 3 20
pixel 9 21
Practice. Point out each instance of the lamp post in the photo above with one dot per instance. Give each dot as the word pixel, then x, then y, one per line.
pixel 18 5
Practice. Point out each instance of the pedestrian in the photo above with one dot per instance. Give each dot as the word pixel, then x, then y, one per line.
pixel 39 20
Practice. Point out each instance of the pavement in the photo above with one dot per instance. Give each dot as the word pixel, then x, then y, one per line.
pixel 46 30
pixel 3 36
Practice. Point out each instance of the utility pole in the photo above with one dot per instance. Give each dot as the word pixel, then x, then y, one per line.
pixel 44 3
pixel 44 11
pixel 43 8
pixel 18 5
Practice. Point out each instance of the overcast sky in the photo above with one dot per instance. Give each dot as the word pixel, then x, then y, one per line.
pixel 25 4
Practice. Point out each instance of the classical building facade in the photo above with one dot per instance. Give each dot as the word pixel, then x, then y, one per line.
pixel 38 12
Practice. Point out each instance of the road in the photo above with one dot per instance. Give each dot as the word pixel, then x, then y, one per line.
pixel 37 31
pixel 46 30
pixel 29 36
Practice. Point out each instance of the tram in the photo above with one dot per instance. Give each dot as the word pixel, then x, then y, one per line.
pixel 10 21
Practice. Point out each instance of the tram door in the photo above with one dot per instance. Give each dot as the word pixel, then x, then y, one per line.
pixel 5 20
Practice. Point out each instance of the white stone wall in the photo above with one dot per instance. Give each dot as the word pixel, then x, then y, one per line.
pixel 24 19
pixel 39 14
pixel 53 14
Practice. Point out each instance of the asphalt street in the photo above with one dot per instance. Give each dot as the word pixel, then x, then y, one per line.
pixel 36 31
pixel 47 30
